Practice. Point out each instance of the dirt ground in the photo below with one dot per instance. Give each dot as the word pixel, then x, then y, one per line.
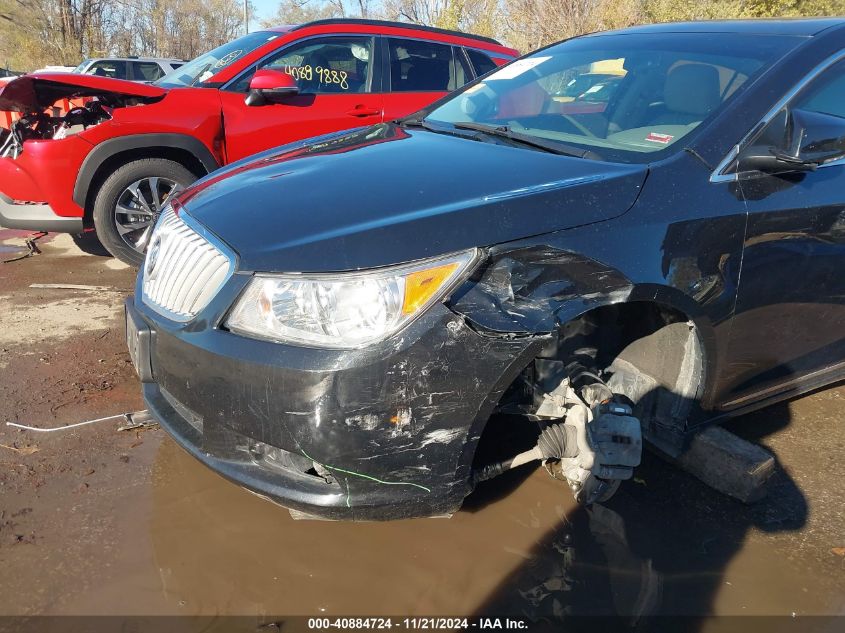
pixel 99 521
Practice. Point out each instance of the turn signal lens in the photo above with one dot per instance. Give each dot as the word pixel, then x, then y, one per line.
pixel 420 286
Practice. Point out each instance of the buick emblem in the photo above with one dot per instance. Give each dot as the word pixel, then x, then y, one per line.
pixel 152 257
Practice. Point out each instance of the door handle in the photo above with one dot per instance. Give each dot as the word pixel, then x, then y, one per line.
pixel 361 111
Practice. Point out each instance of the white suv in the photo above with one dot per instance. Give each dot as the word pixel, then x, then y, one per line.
pixel 144 69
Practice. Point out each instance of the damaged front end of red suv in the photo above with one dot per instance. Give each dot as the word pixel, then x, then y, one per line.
pixel 46 108
pixel 49 112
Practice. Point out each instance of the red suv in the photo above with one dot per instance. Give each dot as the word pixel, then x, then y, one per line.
pixel 111 162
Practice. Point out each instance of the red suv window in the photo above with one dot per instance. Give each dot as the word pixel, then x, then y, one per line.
pixel 418 66
pixel 326 65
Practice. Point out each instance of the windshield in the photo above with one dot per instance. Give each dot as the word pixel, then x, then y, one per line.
pixel 209 64
pixel 81 67
pixel 622 97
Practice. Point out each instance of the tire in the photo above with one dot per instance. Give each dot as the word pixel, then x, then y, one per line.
pixel 126 208
pixel 88 243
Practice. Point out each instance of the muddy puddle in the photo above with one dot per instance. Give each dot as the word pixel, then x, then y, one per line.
pixel 665 545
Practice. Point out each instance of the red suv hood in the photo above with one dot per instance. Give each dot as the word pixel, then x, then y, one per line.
pixel 41 90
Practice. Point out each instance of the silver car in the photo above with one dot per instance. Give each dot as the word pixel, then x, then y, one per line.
pixel 145 69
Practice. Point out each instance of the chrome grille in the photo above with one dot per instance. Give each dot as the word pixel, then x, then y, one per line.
pixel 183 270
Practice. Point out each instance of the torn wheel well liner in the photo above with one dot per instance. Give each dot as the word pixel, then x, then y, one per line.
pixel 650 353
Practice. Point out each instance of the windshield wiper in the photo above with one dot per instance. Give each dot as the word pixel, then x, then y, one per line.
pixel 504 131
pixel 416 122
pixel 431 127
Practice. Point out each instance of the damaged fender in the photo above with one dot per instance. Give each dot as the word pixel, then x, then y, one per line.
pixel 534 289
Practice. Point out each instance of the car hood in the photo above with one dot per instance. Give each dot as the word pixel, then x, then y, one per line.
pixel 384 195
pixel 38 91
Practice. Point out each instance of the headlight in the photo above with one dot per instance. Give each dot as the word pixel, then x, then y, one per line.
pixel 344 310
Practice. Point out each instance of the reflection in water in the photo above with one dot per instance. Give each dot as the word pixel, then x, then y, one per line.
pixel 635 587
pixel 603 578
pixel 223 550
pixel 664 545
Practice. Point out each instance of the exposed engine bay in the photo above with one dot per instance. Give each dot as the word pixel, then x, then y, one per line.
pixel 56 106
pixel 40 125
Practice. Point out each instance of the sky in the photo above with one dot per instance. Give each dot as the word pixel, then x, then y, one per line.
pixel 263 9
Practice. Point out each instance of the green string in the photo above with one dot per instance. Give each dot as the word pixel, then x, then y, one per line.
pixel 363 476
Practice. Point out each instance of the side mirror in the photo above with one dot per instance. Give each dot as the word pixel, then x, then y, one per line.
pixel 270 86
pixel 805 141
pixel 770 160
pixel 816 137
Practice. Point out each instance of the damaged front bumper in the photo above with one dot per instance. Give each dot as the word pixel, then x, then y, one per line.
pixel 385 432
pixel 35 186
pixel 35 216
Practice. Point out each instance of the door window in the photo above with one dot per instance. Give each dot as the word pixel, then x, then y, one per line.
pixel 417 66
pixel 146 71
pixel 827 94
pixel 823 100
pixel 107 68
pixel 481 62
pixel 332 65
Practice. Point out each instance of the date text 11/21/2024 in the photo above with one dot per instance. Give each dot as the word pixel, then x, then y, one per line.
pixel 417 623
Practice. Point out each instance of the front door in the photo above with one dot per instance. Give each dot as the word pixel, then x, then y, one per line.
pixel 335 75
pixel 789 327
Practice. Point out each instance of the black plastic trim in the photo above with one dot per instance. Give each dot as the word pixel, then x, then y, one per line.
pixel 105 150
pixel 138 340
pixel 35 217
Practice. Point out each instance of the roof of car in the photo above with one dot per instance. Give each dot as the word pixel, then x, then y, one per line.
pixel 281 28
pixel 135 59
pixel 806 27
pixel 402 25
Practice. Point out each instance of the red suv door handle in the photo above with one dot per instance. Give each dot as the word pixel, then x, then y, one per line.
pixel 362 111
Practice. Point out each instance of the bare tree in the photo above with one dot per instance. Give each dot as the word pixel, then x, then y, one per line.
pixel 36 33
pixel 300 11
pixel 477 16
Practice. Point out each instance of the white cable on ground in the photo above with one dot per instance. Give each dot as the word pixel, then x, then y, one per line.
pixel 62 428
